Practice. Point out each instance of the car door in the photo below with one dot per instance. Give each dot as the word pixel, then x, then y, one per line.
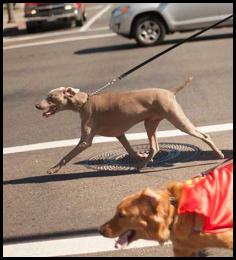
pixel 187 16
pixel 225 9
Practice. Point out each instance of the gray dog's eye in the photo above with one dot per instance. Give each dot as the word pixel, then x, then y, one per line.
pixel 49 99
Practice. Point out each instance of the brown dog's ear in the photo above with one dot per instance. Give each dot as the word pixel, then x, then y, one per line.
pixel 151 197
pixel 171 187
pixel 175 189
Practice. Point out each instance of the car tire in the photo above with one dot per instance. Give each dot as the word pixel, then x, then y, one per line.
pixel 31 28
pixel 81 21
pixel 149 31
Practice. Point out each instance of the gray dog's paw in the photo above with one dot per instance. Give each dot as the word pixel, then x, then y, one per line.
pixel 142 156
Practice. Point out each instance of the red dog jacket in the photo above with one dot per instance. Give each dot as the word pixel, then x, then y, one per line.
pixel 211 195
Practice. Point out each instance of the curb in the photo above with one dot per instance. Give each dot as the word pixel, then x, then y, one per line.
pixel 10 29
pixel 13 28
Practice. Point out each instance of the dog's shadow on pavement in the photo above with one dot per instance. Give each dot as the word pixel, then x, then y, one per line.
pixel 203 156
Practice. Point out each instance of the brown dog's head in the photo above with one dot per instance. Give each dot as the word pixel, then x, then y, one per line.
pixel 60 99
pixel 144 215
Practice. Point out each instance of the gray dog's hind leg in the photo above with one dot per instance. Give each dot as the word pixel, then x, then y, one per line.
pixel 150 126
pixel 177 117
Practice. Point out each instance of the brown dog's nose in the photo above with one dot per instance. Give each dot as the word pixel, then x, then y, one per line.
pixel 37 106
pixel 100 230
pixel 105 231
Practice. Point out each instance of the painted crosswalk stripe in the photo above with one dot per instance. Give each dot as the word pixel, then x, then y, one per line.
pixel 68 39
pixel 102 139
pixel 69 246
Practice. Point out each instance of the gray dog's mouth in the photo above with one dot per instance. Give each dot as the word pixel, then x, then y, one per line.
pixel 52 110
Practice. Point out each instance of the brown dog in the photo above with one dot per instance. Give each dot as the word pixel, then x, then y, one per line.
pixel 112 114
pixel 153 215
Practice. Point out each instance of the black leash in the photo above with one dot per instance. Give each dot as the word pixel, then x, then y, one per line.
pixel 159 54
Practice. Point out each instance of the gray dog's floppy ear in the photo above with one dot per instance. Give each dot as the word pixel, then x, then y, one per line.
pixel 75 97
pixel 70 92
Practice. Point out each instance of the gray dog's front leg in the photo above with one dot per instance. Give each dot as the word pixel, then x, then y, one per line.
pixel 83 144
pixel 136 155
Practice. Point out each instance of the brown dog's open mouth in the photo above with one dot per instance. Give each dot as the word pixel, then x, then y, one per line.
pixel 125 239
pixel 52 110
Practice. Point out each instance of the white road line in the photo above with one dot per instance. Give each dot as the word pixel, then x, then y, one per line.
pixel 102 139
pixel 77 38
pixel 94 18
pixel 99 29
pixel 44 35
pixel 94 7
pixel 69 246
pixel 52 34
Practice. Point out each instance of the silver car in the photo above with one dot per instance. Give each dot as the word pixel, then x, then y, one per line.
pixel 148 23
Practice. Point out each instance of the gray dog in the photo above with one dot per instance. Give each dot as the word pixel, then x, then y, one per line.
pixel 112 114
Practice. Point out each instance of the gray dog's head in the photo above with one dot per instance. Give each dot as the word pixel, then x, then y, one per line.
pixel 62 98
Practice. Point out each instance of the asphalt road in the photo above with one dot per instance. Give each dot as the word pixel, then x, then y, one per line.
pixel 78 199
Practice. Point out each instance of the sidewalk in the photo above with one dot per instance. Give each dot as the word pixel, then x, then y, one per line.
pixel 14 28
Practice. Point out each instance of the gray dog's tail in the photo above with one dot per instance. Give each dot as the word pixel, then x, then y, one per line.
pixel 177 89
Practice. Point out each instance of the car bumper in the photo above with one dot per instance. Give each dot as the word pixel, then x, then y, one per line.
pixel 121 24
pixel 53 18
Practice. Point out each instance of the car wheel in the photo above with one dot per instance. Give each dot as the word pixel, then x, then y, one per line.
pixel 31 28
pixel 79 23
pixel 82 20
pixel 148 31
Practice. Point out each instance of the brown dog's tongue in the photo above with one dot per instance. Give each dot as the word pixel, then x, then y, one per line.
pixel 123 240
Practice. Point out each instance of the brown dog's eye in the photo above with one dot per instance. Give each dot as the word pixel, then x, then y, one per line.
pixel 121 214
